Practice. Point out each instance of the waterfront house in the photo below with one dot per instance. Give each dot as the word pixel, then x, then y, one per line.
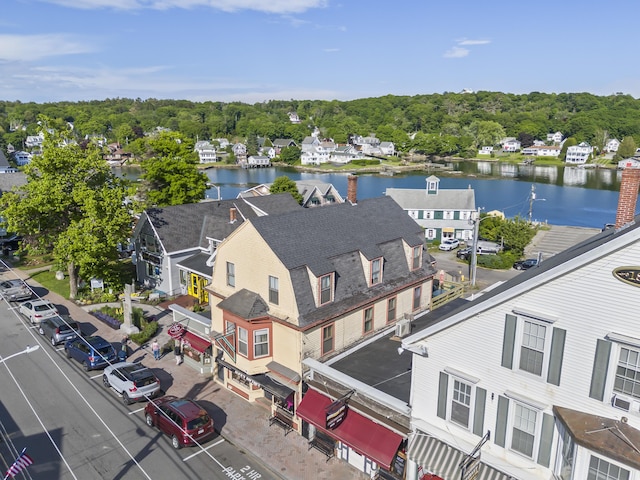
pixel 486 150
pixel 555 138
pixel 629 163
pixel 280 143
pixel 542 151
pixel 310 284
pixel 443 213
pixel 538 377
pixel 578 154
pixel 612 145
pixel 258 161
pixel 387 148
pixel 175 246
pixel 21 158
pixel 206 151
pixel 510 144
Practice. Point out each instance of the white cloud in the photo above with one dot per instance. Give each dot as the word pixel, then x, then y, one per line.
pixel 456 52
pixel 267 6
pixel 35 47
pixel 330 50
pixel 473 42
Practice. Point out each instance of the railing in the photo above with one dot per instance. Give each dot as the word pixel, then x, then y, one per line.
pixel 456 291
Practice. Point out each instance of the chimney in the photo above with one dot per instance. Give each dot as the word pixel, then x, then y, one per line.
pixel 232 215
pixel 352 189
pixel 629 186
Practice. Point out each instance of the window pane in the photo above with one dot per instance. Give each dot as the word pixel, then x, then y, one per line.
pixel 243 341
pixel 417 293
pixel 627 379
pixel 368 319
pixel 600 469
pixel 524 428
pixel 375 271
pixel 325 289
pixel 532 350
pixel 231 274
pixel 416 257
pixel 391 310
pixel 460 405
pixel 273 290
pixel 260 343
pixel 327 339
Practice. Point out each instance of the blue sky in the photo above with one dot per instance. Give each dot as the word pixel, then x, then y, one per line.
pixel 259 50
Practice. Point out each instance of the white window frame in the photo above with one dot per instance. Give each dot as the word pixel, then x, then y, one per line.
pixel 256 333
pixel 601 461
pixel 447 215
pixel 243 341
pixel 376 273
pixel 520 336
pixel 513 411
pixel 452 398
pixel 274 290
pixel 231 274
pixel 617 390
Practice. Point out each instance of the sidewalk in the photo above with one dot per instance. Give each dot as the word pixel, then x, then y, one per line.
pixel 238 421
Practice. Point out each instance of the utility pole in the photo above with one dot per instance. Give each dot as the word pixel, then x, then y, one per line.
pixel 532 197
pixel 474 258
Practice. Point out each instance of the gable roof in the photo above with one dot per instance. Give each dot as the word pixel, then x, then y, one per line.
pixel 566 261
pixel 331 240
pixel 188 226
pixel 445 199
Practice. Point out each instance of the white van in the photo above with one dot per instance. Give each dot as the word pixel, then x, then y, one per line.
pixel 484 247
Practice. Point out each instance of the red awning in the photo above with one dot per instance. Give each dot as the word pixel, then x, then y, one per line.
pixel 197 343
pixel 363 435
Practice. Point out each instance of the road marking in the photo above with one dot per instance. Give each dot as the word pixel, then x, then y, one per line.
pixel 96 376
pixel 59 349
pixel 203 450
pixel 136 411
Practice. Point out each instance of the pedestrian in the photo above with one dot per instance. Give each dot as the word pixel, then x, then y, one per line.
pixel 177 351
pixel 123 349
pixel 155 348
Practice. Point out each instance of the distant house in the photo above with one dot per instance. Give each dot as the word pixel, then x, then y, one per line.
pixel 387 148
pixel 309 144
pixel 294 118
pixel 96 139
pixel 240 151
pixel 486 150
pixel 257 161
pixel 206 151
pixel 21 158
pixel 223 142
pixel 555 138
pixel 34 141
pixel 280 143
pixel 612 145
pixel 442 213
pixel 510 144
pixel 578 154
pixel 344 154
pixel 542 151
pixel 4 164
pixel 629 163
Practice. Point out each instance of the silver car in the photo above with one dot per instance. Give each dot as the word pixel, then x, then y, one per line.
pixel 15 290
pixel 38 310
pixel 131 380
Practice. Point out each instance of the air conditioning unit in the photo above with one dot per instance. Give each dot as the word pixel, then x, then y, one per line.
pixel 621 403
pixel 403 328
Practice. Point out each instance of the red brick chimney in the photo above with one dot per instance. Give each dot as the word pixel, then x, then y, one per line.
pixel 629 186
pixel 352 189
pixel 232 215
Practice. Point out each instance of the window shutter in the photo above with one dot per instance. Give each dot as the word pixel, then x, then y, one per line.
pixel 509 340
pixel 546 440
pixel 501 420
pixel 600 367
pixel 442 395
pixel 478 414
pixel 555 358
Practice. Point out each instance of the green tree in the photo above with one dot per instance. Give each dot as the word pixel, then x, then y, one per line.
pixel 283 185
pixel 290 155
pixel 72 206
pixel 627 148
pixel 569 142
pixel 171 181
pixel 516 233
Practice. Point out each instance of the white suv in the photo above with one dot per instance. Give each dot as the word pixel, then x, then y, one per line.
pixel 449 244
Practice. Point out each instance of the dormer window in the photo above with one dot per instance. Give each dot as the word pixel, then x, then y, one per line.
pixel 416 258
pixel 326 289
pixel 376 271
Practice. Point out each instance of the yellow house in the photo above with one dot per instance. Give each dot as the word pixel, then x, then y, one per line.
pixel 309 284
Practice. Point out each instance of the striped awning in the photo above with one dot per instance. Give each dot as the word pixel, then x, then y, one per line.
pixel 443 460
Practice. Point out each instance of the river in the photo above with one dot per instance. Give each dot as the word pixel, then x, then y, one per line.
pixel 563 195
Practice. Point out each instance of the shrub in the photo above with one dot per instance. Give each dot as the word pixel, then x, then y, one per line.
pixel 148 331
pixel 107 319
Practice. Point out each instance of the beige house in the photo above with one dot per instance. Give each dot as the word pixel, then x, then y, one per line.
pixel 309 284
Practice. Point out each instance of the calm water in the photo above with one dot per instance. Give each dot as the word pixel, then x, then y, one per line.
pixel 564 195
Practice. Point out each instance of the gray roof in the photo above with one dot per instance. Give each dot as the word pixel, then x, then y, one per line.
pixel 445 199
pixel 10 180
pixel 183 227
pixel 331 239
pixel 198 263
pixel 245 304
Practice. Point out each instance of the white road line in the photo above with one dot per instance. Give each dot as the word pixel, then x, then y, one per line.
pixel 96 376
pixel 203 450
pixel 59 349
pixel 136 411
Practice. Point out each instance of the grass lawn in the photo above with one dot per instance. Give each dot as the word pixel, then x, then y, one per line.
pixel 48 280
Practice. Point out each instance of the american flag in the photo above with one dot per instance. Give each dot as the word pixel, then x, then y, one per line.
pixel 22 462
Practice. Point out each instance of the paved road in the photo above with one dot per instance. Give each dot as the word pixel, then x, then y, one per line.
pixel 75 428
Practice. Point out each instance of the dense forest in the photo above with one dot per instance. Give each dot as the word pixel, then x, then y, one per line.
pixel 439 124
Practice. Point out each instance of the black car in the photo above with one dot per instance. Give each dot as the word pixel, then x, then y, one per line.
pixel 464 253
pixel 525 264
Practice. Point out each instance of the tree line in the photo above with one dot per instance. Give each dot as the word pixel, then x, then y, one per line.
pixel 434 124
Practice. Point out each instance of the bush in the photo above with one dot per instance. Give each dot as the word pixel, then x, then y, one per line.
pixel 148 331
pixel 107 319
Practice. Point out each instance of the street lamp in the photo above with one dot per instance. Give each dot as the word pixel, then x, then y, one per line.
pixel 26 350
pixel 475 221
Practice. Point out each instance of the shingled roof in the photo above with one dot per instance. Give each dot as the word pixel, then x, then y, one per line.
pixel 182 227
pixel 331 239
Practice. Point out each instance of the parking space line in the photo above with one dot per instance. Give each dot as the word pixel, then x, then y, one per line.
pixel 203 450
pixel 136 411
pixel 96 376
pixel 59 349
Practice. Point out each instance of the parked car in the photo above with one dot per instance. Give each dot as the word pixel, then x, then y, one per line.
pixel 15 290
pixel 38 310
pixel 93 352
pixel 449 244
pixel 464 253
pixel 525 264
pixel 59 329
pixel 133 381
pixel 10 243
pixel 182 419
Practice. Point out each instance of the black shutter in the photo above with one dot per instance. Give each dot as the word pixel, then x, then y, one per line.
pixel 478 415
pixel 501 421
pixel 555 358
pixel 600 367
pixel 509 340
pixel 442 395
